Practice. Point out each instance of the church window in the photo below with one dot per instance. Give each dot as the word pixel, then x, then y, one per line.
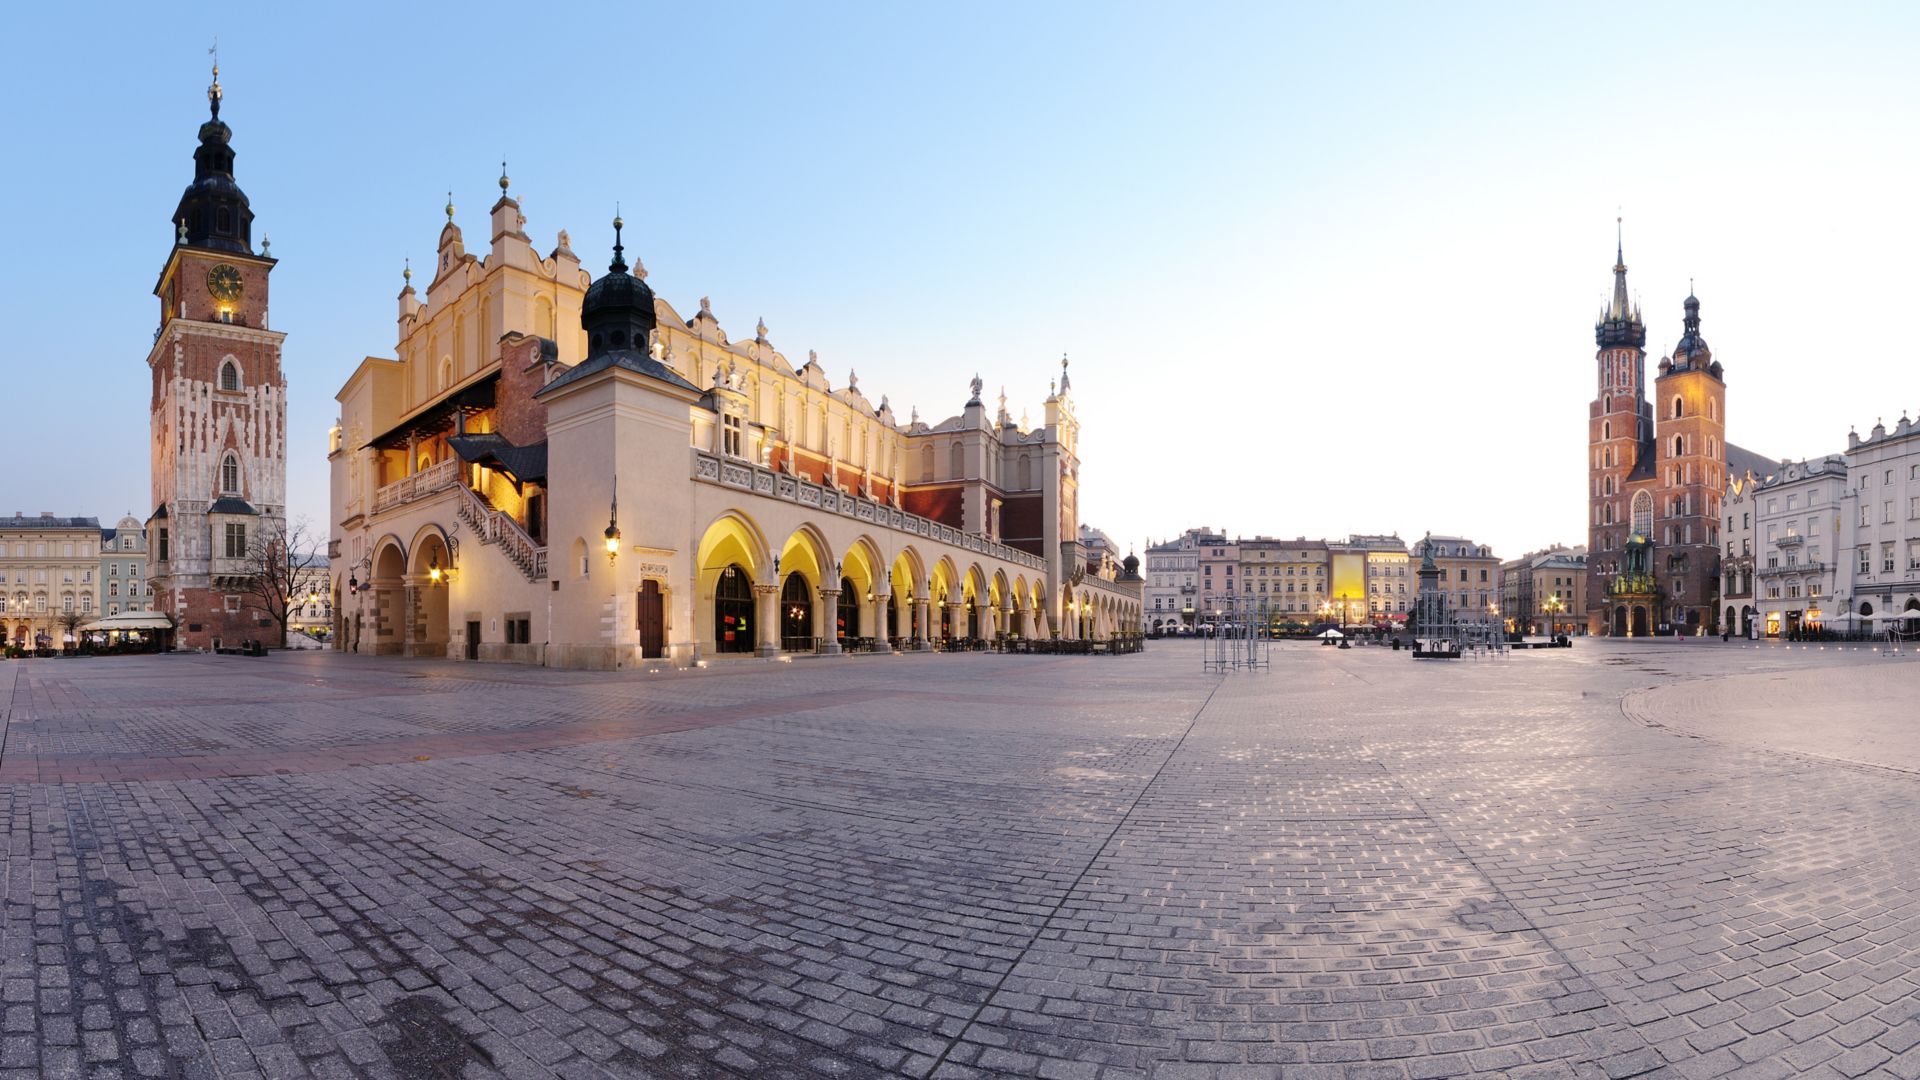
pixel 1678 411
pixel 1679 445
pixel 1606 429
pixel 230 475
pixel 1643 513
pixel 229 376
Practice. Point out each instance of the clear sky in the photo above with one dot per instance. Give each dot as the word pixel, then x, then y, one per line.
pixel 1319 271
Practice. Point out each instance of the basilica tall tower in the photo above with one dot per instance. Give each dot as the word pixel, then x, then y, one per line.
pixel 1619 441
pixel 218 410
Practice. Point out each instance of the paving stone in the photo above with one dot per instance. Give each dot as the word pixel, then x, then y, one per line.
pixel 1580 864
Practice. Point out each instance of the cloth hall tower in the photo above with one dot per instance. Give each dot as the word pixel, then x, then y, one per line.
pixel 1658 463
pixel 218 409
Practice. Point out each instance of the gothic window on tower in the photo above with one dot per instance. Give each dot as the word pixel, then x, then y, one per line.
pixel 230 475
pixel 1678 410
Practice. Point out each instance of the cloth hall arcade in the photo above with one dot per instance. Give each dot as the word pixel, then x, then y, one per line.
pixel 567 471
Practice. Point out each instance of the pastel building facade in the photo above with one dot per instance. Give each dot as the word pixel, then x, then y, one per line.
pixel 566 470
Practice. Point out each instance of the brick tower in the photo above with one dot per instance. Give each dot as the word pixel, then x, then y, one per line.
pixel 1690 399
pixel 219 407
pixel 1619 441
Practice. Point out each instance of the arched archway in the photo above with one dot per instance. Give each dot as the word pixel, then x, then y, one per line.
pixel 908 585
pixel 1640 626
pixel 974 593
pixel 429 580
pixel 730 559
pixel 865 593
pixel 389 601
pixel 805 566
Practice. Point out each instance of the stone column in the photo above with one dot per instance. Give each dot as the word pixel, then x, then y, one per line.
pixel 922 620
pixel 829 607
pixel 957 618
pixel 766 614
pixel 880 628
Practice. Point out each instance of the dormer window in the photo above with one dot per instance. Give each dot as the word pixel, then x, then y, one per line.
pixel 230 475
pixel 229 371
pixel 732 441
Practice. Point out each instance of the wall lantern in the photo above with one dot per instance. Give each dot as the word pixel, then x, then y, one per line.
pixel 613 524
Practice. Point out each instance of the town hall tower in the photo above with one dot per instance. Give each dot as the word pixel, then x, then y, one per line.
pixel 218 408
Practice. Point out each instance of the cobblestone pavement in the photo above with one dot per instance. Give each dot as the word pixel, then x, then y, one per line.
pixel 1626 859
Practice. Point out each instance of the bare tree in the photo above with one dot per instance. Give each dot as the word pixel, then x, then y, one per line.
pixel 283 563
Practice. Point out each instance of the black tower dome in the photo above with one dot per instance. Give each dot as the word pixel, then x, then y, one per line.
pixel 213 209
pixel 617 312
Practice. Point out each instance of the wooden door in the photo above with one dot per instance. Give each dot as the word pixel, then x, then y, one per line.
pixel 653 621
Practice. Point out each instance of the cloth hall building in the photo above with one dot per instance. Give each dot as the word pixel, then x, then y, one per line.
pixel 567 471
pixel 1657 470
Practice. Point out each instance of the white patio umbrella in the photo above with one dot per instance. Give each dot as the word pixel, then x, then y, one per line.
pixel 1331 633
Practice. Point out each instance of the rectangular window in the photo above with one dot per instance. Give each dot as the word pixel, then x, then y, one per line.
pixel 1866 559
pixel 236 540
pixel 731 440
pixel 1886 514
pixel 163 545
pixel 1886 557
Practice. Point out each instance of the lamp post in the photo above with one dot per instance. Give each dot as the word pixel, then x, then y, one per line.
pixel 1553 606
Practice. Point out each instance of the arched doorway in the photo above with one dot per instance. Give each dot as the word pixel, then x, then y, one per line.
pixel 847 612
pixel 1639 626
pixel 796 614
pixel 733 611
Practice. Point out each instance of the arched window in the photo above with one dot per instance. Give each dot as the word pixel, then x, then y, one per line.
pixel 229 376
pixel 1606 429
pixel 230 474
pixel 1643 513
pixel 446 372
pixel 733 611
pixel 1678 410
pixel 796 614
pixel 847 615
pixel 956 462
pixel 580 556
pixel 1679 445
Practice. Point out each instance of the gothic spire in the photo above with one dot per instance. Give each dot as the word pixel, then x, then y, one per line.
pixel 213 208
pixel 1620 323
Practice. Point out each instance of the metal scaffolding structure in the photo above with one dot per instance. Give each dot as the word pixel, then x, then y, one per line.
pixel 1239 639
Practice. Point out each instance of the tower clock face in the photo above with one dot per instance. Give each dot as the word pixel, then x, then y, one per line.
pixel 223 281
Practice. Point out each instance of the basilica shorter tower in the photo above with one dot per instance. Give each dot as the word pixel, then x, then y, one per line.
pixel 218 409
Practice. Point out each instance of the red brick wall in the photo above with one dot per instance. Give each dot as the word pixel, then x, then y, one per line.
pixel 1023 523
pixel 939 504
pixel 207 609
pixel 522 420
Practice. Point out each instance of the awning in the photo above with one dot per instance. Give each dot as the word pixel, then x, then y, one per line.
pixel 129 620
pixel 520 463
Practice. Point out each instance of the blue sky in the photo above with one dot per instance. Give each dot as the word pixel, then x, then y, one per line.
pixel 1319 271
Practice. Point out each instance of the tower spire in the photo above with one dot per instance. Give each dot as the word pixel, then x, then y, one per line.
pixel 619 258
pixel 1620 308
pixel 213 91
